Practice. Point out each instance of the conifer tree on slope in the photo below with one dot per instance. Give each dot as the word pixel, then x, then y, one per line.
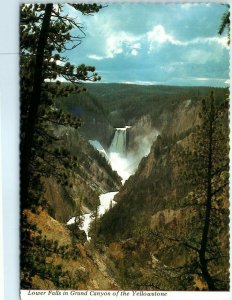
pixel 46 32
pixel 204 169
pixel 209 170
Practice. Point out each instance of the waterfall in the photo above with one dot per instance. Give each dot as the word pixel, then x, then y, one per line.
pixel 118 153
pixel 118 144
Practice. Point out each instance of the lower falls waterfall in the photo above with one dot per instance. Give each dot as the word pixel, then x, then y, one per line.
pixel 122 161
pixel 118 155
pixel 118 144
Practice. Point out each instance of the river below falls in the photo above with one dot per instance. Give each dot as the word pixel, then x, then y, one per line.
pixel 106 200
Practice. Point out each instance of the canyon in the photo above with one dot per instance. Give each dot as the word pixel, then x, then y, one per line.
pixel 127 190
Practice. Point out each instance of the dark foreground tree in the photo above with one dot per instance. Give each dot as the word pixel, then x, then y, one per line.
pixel 46 32
pixel 225 25
pixel 213 166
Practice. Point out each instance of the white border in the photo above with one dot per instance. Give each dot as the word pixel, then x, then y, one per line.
pixel 9 149
pixel 1 219
pixel 25 295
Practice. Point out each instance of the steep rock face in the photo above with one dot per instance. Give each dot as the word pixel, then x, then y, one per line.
pixel 173 122
pixel 183 118
pixel 61 205
pixel 142 135
pixel 143 193
pixel 93 176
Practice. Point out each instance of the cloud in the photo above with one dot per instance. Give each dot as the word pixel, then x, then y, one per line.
pixel 134 52
pixel 135 49
pixel 118 42
pixel 222 41
pixel 158 35
pixel 141 82
pixel 143 43
pixel 95 57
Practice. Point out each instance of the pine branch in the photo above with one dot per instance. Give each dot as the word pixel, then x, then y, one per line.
pixel 184 243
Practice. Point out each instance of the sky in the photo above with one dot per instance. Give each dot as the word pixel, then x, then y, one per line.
pixel 172 44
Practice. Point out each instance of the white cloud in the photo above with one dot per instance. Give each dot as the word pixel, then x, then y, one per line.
pixel 169 68
pixel 202 78
pixel 158 35
pixel 188 6
pixel 118 41
pixel 134 52
pixel 222 41
pixel 199 55
pixel 142 82
pixel 135 49
pixel 209 79
pixel 96 57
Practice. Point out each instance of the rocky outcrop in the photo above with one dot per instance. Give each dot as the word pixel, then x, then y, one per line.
pixel 183 118
pixel 92 177
pixel 85 269
pixel 142 135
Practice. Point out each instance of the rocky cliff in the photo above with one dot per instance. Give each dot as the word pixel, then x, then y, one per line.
pixel 92 177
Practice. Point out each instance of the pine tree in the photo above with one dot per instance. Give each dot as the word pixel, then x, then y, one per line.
pixel 204 170
pixel 203 174
pixel 225 25
pixel 93 230
pixel 78 212
pixel 46 32
pixel 210 183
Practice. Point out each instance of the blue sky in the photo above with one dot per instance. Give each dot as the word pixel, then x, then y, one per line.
pixel 175 44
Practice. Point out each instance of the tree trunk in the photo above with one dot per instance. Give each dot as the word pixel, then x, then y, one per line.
pixel 205 234
pixel 27 142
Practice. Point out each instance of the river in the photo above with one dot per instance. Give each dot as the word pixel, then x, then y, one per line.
pixel 106 200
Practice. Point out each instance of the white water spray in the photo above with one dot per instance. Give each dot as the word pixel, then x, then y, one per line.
pixel 106 201
pixel 125 162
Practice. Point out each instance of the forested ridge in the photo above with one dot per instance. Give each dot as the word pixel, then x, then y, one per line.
pixel 105 106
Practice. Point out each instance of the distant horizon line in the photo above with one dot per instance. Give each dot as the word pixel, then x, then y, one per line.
pixel 226 83
pixel 159 84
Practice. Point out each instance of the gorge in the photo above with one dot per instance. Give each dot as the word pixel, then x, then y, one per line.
pixel 122 160
pixel 119 221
